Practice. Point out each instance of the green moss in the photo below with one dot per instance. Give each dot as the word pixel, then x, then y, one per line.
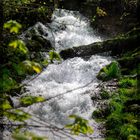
pixel 128 130
pixel 127 82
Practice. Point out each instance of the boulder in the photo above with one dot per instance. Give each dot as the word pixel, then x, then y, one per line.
pixel 37 38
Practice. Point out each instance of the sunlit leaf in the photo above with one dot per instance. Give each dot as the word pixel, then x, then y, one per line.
pixel 32 66
pixel 29 100
pixel 19 44
pixel 17 115
pixel 45 62
pixel 5 105
pixel 54 56
pixel 100 12
pixel 13 26
pixel 79 125
pixel 36 67
pixel 27 64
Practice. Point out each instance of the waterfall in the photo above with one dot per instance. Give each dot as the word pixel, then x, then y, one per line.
pixel 68 85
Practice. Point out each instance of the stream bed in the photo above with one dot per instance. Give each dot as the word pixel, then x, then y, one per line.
pixel 70 84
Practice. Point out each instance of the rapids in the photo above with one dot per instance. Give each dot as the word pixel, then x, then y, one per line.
pixel 70 84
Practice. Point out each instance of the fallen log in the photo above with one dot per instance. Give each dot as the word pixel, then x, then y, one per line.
pixel 117 46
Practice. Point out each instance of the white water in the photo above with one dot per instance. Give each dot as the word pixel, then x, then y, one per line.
pixel 69 84
pixel 72 29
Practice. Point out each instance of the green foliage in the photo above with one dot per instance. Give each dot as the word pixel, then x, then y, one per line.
pixel 79 125
pixel 45 62
pixel 128 92
pixel 13 26
pixel 27 136
pixel 20 45
pixel 115 106
pixel 127 83
pixel 127 130
pixel 54 56
pixel 100 12
pixel 4 105
pixel 32 66
pixel 132 137
pixel 130 118
pixel 20 70
pixel 114 120
pixel 7 83
pixel 109 72
pixel 17 115
pixel 121 121
pixel 29 100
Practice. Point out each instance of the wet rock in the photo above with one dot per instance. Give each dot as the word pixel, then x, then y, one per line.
pixel 37 38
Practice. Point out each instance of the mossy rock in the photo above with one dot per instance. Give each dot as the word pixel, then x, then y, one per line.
pixel 39 44
pixel 46 44
pixel 34 45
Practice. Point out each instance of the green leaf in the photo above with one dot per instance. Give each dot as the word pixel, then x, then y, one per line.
pixel 45 62
pixel 32 66
pixel 18 68
pixel 29 100
pixel 100 12
pixel 36 67
pixel 4 105
pixel 54 56
pixel 27 136
pixel 17 115
pixel 7 83
pixel 19 136
pixel 13 26
pixel 19 44
pixel 79 125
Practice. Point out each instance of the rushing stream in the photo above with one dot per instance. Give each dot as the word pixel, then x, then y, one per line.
pixel 68 85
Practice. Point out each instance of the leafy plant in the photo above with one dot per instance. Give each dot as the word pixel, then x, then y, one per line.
pixel 100 12
pixel 127 130
pixel 13 26
pixel 29 100
pixel 17 115
pixel 54 56
pixel 7 83
pixel 27 136
pixel 127 83
pixel 79 125
pixel 109 72
pixel 32 66
pixel 20 45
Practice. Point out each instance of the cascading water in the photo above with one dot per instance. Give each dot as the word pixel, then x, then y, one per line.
pixel 68 85
pixel 71 29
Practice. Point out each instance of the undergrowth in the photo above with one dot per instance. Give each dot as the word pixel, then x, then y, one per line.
pixel 122 112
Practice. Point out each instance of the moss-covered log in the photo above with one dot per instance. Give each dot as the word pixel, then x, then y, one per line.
pixel 117 46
